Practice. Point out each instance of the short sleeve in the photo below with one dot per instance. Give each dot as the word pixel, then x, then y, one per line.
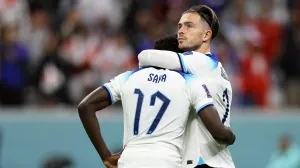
pixel 199 95
pixel 198 63
pixel 114 86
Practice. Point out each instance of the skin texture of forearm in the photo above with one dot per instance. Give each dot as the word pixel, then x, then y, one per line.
pixel 212 122
pixel 95 101
pixel 228 138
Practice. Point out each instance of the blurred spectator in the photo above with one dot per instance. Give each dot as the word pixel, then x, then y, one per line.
pixel 53 73
pixel 173 15
pixel 80 50
pixel 130 26
pixel 147 35
pixel 115 57
pixel 70 23
pixel 255 77
pixel 12 11
pixel 253 71
pixel 239 30
pixel 290 60
pixel 34 32
pixel 287 155
pixel 269 25
pixel 270 31
pixel 86 51
pixel 94 10
pixel 14 59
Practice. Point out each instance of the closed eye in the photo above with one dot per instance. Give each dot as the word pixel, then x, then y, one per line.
pixel 179 25
pixel 189 25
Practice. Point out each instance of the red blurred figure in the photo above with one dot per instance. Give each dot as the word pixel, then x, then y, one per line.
pixel 255 76
pixel 270 31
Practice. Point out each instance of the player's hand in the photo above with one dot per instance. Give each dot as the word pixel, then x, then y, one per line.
pixel 112 161
pixel 233 135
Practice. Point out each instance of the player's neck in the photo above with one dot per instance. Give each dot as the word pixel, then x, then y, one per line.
pixel 204 48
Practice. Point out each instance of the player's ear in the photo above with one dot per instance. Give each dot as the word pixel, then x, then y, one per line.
pixel 207 35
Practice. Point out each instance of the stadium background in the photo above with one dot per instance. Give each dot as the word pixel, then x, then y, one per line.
pixel 52 53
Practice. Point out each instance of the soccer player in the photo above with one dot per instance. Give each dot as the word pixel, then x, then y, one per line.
pixel 156 105
pixel 196 29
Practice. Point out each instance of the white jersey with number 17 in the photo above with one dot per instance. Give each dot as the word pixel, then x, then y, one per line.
pixel 199 146
pixel 156 106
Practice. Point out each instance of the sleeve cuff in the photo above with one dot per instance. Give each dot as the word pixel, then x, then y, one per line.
pixel 183 67
pixel 204 106
pixel 110 94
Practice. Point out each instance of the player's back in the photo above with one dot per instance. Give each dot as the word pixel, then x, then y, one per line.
pixel 156 108
pixel 210 70
pixel 199 144
pixel 199 141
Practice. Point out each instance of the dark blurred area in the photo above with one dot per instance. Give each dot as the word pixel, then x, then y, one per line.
pixel 53 53
pixel 58 161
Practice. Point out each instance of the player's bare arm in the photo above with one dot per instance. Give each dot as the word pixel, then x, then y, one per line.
pixel 212 122
pixel 95 101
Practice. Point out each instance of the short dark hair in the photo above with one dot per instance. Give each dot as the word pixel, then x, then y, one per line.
pixel 208 15
pixel 168 43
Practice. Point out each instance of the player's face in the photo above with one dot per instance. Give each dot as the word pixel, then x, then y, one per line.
pixel 190 32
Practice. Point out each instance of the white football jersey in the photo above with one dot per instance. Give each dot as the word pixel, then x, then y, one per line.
pixel 199 145
pixel 156 104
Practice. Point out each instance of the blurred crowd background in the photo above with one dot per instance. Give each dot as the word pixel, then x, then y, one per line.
pixel 54 52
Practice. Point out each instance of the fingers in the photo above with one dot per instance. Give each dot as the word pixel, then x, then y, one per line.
pixel 113 160
pixel 108 165
pixel 123 148
pixel 116 156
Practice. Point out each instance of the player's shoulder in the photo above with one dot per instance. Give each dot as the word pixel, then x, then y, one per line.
pixel 192 83
pixel 123 77
pixel 208 60
pixel 207 56
pixel 188 77
pixel 138 72
pixel 194 53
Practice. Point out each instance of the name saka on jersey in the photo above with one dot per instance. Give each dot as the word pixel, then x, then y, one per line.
pixel 199 145
pixel 156 105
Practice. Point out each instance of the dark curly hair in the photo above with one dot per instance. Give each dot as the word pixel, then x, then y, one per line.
pixel 168 43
